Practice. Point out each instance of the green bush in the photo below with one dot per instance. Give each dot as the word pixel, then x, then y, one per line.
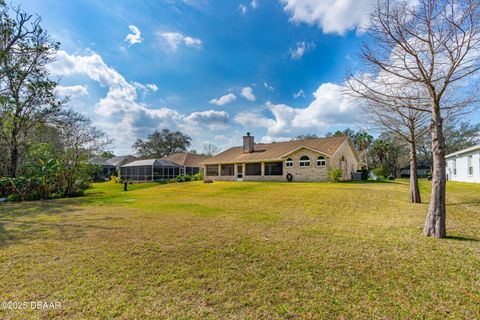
pixel 198 176
pixel 184 178
pixel 381 172
pixel 335 174
pixel 46 180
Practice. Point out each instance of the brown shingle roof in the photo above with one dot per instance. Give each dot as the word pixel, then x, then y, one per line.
pixel 276 150
pixel 186 159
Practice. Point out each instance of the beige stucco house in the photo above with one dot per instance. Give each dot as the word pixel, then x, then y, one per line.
pixel 299 160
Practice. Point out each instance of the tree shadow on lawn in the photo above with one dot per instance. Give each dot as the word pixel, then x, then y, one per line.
pixel 35 208
pixel 30 231
pixel 43 220
pixel 371 182
pixel 463 203
pixel 462 238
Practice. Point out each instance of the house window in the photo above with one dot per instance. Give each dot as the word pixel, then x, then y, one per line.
pixel 273 169
pixel 253 169
pixel 289 162
pixel 470 165
pixel 321 161
pixel 227 169
pixel 454 167
pixel 212 170
pixel 304 161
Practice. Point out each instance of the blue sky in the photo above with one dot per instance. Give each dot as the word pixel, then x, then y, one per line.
pixel 213 69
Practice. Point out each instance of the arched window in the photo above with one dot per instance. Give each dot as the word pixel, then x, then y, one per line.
pixel 321 161
pixel 304 161
pixel 289 162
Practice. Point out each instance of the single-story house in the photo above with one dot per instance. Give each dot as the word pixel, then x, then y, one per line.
pixel 423 171
pixel 190 162
pixel 464 165
pixel 298 160
pixel 107 168
pixel 150 170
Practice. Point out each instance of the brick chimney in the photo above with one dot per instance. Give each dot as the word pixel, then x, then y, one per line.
pixel 248 143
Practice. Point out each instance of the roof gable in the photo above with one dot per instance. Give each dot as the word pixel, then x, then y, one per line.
pixel 186 159
pixel 304 147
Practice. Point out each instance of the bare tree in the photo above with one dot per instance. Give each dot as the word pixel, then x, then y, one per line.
pixel 81 140
pixel 410 125
pixel 433 44
pixel 26 93
pixel 209 149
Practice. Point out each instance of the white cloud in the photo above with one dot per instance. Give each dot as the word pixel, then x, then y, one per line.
pixel 152 86
pixel 300 49
pixel 247 93
pixel 269 87
pixel 172 40
pixel 333 16
pixel 146 88
pixel 224 99
pixel 254 4
pixel 215 120
pixel 72 91
pixel 192 42
pixel 120 113
pixel 330 108
pixel 135 36
pixel 243 9
pixel 253 119
pixel 299 94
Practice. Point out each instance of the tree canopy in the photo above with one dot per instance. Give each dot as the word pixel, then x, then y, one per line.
pixel 162 143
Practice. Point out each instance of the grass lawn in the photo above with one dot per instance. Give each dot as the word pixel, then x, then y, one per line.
pixel 242 251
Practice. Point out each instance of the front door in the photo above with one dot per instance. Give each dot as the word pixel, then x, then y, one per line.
pixel 240 172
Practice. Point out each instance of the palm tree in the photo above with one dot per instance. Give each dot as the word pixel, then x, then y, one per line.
pixel 380 149
pixel 363 140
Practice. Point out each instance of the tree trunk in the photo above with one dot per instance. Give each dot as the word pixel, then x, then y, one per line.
pixel 414 188
pixel 435 222
pixel 13 157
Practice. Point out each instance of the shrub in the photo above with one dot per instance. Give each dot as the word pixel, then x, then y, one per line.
pixel 335 174
pixel 390 177
pixel 184 178
pixel 198 176
pixel 380 172
pixel 46 180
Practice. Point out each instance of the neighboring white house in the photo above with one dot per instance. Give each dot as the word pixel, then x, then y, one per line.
pixel 464 165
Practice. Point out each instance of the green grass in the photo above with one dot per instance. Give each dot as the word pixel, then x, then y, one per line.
pixel 242 251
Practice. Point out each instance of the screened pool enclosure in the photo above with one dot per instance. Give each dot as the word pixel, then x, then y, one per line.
pixel 151 170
